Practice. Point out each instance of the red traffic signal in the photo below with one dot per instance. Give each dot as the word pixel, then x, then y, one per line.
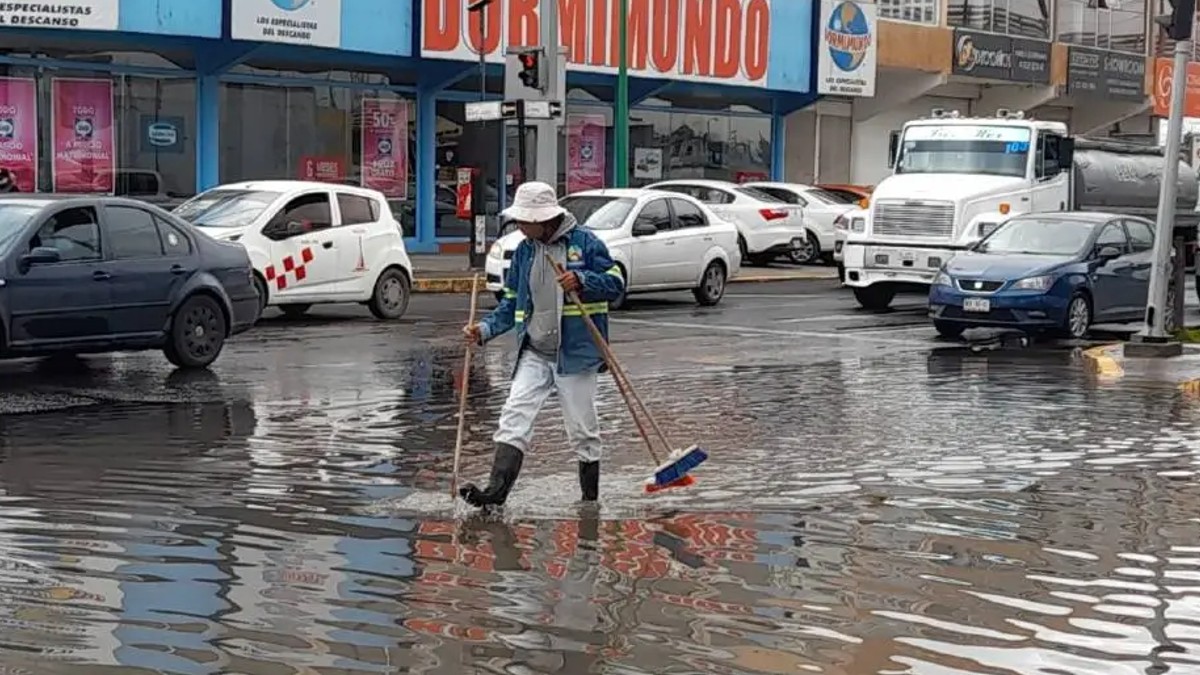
pixel 530 74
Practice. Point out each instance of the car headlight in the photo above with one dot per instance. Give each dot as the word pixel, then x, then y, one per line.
pixel 943 279
pixel 496 251
pixel 1042 283
pixel 858 225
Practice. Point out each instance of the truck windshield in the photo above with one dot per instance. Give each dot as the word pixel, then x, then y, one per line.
pixel 961 148
pixel 1038 236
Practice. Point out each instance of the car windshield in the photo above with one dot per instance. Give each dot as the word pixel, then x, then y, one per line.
pixel 597 212
pixel 226 208
pixel 760 195
pixel 1038 236
pixel 12 222
pixel 964 148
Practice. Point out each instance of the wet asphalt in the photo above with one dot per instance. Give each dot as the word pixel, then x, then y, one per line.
pixel 878 501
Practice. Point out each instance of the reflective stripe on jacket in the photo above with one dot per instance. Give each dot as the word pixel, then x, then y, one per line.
pixel 601 279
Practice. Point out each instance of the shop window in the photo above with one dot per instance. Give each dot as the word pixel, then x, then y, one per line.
pixel 917 11
pixel 1028 18
pixel 156 139
pixel 1105 24
pixel 460 145
pixel 677 145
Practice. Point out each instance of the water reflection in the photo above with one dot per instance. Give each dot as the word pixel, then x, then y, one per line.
pixel 964 513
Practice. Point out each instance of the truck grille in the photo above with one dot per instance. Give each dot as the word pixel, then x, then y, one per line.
pixel 914 219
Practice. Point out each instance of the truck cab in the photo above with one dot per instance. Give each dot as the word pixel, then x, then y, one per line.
pixel 954 180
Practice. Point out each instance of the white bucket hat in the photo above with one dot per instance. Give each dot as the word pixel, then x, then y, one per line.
pixel 534 202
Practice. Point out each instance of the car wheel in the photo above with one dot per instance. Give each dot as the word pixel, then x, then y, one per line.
pixel 876 298
pixel 808 252
pixel 614 305
pixel 390 299
pixel 1079 317
pixel 712 285
pixel 197 333
pixel 295 311
pixel 263 295
pixel 948 330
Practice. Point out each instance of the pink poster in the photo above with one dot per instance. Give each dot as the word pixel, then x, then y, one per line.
pixel 585 152
pixel 83 135
pixel 385 146
pixel 18 131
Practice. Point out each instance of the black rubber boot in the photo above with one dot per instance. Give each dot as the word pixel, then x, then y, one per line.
pixel 506 466
pixel 589 480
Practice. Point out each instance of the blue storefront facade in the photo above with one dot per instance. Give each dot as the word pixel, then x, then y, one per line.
pixel 213 91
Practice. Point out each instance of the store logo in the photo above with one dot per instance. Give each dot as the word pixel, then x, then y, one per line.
pixel 384 147
pixel 968 57
pixel 162 134
pixel 848 35
pixel 587 151
pixel 290 5
pixel 83 128
pixel 8 128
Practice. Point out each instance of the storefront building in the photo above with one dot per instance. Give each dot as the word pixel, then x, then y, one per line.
pixel 1076 61
pixel 161 98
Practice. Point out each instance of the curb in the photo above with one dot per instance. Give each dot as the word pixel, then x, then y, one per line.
pixel 463 284
pixel 1105 360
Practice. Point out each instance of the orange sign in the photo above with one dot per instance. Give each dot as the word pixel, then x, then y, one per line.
pixel 1164 71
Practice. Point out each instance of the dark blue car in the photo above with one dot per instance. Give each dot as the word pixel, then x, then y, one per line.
pixel 99 274
pixel 1057 272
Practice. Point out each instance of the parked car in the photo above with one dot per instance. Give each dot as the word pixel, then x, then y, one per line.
pixel 768 227
pixel 1057 272
pixel 859 195
pixel 821 209
pixel 311 243
pixel 855 221
pixel 101 274
pixel 661 241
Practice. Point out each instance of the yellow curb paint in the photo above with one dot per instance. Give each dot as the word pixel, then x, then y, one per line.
pixel 1103 363
pixel 1190 388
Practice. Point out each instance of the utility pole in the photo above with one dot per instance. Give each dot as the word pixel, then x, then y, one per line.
pixel 546 169
pixel 621 116
pixel 1153 339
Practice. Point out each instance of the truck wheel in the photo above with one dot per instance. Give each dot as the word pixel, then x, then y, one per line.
pixel 877 297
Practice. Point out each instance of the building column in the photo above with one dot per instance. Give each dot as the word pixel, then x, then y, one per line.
pixel 426 168
pixel 778 144
pixel 208 132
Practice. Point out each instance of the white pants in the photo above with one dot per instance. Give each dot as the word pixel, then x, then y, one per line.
pixel 535 379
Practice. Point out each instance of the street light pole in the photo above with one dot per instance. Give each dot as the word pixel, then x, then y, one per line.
pixel 1155 330
pixel 621 117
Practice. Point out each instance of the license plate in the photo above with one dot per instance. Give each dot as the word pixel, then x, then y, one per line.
pixel 977 305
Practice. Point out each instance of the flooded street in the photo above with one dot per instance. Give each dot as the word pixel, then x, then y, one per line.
pixel 876 502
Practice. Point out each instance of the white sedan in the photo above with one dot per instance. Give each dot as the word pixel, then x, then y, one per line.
pixel 821 209
pixel 660 240
pixel 311 243
pixel 768 227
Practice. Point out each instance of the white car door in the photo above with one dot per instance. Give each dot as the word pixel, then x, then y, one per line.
pixel 653 254
pixel 358 256
pixel 301 265
pixel 692 233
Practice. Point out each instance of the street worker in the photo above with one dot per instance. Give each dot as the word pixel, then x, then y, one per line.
pixel 555 350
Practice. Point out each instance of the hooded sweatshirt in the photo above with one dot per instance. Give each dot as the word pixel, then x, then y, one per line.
pixel 543 328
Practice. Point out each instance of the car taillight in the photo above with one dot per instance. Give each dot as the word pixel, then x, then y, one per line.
pixel 772 214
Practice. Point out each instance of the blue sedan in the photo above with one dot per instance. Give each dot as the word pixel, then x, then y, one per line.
pixel 96 274
pixel 1055 272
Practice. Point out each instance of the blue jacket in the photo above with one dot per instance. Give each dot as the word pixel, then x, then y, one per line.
pixel 601 279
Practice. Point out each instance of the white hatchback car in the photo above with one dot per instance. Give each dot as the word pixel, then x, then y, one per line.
pixel 311 243
pixel 661 241
pixel 768 227
pixel 821 209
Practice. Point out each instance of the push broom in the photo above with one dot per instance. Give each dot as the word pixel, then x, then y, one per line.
pixel 671 473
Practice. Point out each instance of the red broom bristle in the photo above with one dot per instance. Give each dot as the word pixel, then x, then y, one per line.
pixel 683 481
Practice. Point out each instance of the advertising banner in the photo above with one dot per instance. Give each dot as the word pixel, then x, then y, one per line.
pixel 18 131
pixel 846 57
pixel 585 152
pixel 81 14
pixel 322 168
pixel 83 137
pixel 1164 72
pixel 385 146
pixel 316 23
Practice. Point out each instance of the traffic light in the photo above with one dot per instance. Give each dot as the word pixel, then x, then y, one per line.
pixel 531 69
pixel 1179 22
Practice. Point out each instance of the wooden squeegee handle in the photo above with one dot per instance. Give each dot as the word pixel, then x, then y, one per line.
pixel 462 401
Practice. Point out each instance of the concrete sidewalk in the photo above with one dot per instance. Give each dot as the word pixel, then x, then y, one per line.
pixel 450 273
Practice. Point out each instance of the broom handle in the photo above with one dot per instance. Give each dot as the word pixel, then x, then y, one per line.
pixel 462 400
pixel 615 367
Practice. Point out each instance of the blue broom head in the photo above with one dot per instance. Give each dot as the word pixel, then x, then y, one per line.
pixel 679 464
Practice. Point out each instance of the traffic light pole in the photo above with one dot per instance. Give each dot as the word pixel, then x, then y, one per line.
pixel 546 169
pixel 621 118
pixel 1155 330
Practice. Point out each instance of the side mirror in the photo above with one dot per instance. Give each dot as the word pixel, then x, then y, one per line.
pixel 644 229
pixel 1108 253
pixel 40 255
pixel 893 148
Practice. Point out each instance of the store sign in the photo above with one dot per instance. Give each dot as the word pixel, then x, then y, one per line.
pixel 1163 73
pixel 384 140
pixel 19 132
pixel 719 41
pixel 162 133
pixel 324 169
pixel 315 23
pixel 846 56
pixel 81 14
pixel 83 136
pixel 586 150
pixel 1104 74
pixel 1000 57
